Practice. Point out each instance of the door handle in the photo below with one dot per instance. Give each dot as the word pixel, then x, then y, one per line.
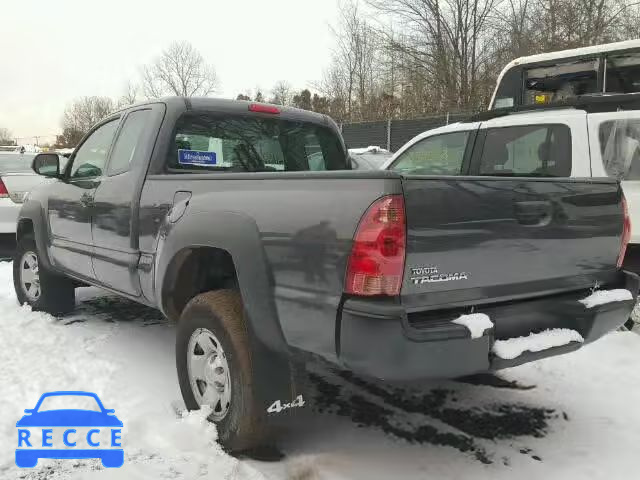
pixel 86 200
pixel 534 212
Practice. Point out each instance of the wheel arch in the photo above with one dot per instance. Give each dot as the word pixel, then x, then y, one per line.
pixel 31 220
pixel 233 239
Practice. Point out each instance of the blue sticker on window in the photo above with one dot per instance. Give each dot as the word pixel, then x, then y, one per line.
pixel 196 157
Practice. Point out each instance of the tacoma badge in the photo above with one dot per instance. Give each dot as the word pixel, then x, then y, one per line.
pixel 420 275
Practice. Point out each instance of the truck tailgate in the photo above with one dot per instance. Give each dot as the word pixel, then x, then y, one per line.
pixel 19 184
pixel 472 241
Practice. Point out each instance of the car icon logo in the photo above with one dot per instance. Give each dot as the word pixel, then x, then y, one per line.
pixel 51 431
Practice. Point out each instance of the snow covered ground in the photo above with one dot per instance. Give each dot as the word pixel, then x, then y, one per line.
pixel 570 417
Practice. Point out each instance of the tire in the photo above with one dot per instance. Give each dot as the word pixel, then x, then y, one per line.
pixel 56 293
pixel 241 427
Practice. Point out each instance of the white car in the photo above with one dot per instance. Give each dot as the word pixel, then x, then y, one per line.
pixel 369 158
pixel 16 180
pixel 595 138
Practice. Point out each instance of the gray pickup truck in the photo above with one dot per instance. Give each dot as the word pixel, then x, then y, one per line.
pixel 243 223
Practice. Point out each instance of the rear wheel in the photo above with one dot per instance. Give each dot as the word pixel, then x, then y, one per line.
pixel 214 368
pixel 42 289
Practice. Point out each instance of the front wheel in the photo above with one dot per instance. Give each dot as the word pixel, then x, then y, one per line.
pixel 214 368
pixel 42 289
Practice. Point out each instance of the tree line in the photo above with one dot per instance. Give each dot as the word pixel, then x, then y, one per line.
pixel 394 58
pixel 411 58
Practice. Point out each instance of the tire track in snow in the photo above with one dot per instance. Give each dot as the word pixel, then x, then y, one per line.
pixel 433 417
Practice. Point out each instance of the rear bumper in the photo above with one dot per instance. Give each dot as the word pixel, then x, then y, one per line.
pixel 380 339
pixel 8 215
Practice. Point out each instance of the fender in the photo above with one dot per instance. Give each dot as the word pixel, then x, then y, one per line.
pixel 238 234
pixel 33 210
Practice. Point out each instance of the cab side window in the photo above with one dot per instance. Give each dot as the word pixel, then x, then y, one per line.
pixel 437 155
pixel 528 150
pixel 91 157
pixel 620 148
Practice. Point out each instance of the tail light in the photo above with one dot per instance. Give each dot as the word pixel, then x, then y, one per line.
pixel 376 264
pixel 626 232
pixel 4 193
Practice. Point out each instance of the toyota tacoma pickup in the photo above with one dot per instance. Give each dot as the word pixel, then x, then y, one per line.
pixel 243 223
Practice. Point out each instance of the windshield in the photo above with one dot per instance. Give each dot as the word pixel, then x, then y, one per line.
pixel 436 155
pixel 16 162
pixel 69 402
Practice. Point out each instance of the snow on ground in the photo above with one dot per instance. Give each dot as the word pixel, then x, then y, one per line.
pixel 128 361
pixel 535 342
pixel 476 323
pixel 601 297
pixel 569 417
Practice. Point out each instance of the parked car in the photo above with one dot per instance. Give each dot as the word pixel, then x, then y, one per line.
pixel 562 78
pixel 588 137
pixel 394 274
pixel 16 179
pixel 369 158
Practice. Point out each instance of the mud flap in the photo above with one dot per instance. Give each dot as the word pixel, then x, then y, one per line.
pixel 274 383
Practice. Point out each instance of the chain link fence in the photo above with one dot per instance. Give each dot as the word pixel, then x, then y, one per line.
pixel 392 134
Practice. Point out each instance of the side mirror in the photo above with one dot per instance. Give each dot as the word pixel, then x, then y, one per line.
pixel 46 164
pixel 28 410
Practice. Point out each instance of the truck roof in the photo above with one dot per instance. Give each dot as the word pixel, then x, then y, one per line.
pixel 230 106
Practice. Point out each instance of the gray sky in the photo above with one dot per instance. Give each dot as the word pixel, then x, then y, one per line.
pixel 53 51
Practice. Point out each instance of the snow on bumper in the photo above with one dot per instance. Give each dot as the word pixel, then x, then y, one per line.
pixel 602 297
pixel 383 340
pixel 535 342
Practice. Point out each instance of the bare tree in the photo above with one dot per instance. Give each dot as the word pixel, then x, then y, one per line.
pixel 354 81
pixel 130 95
pixel 180 70
pixel 282 93
pixel 83 112
pixel 419 57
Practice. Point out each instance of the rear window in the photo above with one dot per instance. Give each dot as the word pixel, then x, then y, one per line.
pixel 532 150
pixel 561 82
pixel 212 143
pixel 620 148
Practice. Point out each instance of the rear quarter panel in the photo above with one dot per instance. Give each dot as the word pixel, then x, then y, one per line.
pixel 304 224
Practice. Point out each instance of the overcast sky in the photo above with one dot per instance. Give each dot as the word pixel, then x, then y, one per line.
pixel 55 50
